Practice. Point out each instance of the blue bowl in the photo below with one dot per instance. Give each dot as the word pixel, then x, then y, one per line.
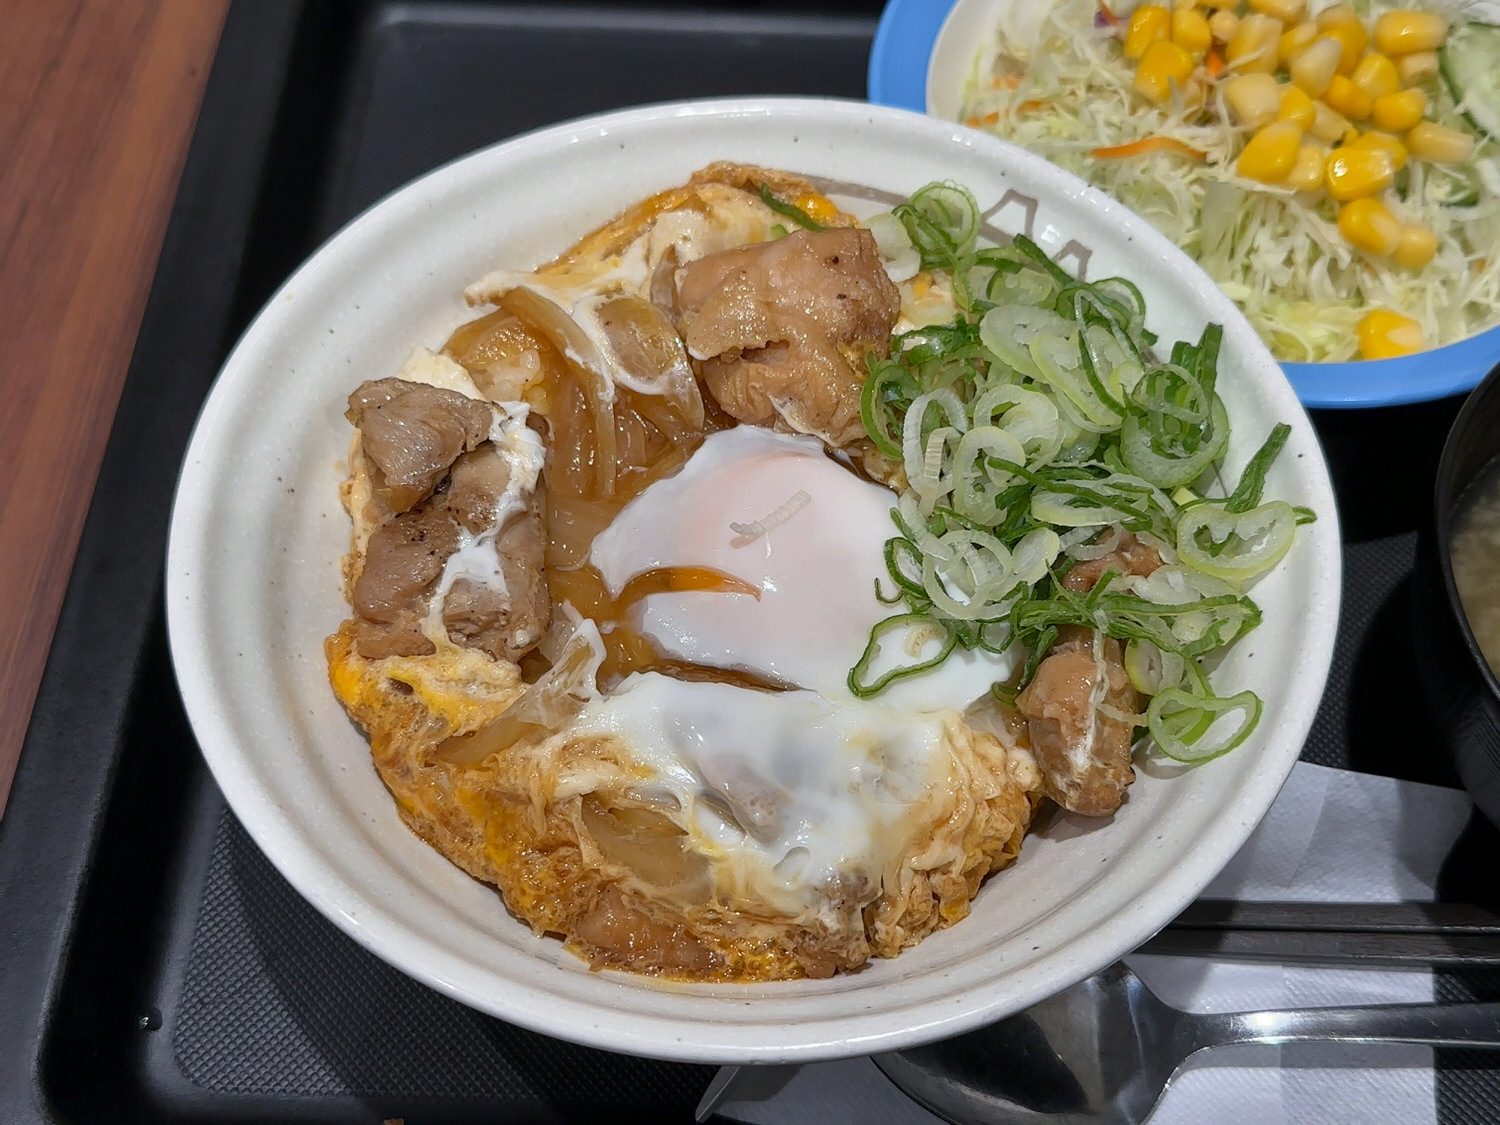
pixel 898 77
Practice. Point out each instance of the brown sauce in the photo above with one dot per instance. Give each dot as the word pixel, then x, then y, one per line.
pixel 649 444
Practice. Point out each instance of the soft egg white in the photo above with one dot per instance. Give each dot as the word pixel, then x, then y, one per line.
pixel 816 570
pixel 799 803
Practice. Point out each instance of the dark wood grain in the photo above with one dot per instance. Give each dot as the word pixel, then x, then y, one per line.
pixel 97 102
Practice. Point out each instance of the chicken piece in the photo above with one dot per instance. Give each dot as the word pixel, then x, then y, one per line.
pixel 407 555
pixel 506 623
pixel 402 636
pixel 1082 745
pixel 404 557
pixel 782 328
pixel 616 931
pixel 411 433
pixel 1130 557
pixel 475 486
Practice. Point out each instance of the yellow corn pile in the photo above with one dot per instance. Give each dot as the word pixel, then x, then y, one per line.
pixel 1333 105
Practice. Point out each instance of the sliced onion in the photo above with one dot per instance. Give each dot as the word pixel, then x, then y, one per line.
pixel 1086 551
pixel 549 320
pixel 902 261
pixel 544 707
pixel 645 353
pixel 1151 670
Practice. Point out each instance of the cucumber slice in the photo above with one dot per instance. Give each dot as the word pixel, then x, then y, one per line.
pixel 1470 65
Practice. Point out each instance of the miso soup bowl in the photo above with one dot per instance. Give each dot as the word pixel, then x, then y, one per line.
pixel 1460 682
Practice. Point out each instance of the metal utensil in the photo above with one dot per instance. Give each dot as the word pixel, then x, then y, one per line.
pixel 1370 935
pixel 1104 1051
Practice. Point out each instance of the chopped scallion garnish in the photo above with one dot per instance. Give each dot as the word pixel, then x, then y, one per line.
pixel 789 211
pixel 1036 426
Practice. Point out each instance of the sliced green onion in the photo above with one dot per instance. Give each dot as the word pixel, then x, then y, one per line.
pixel 1166 460
pixel 1235 546
pixel 1151 670
pixel 787 210
pixel 1178 721
pixel 1038 428
pixel 860 689
pixel 977 482
pixel 942 221
pixel 887 387
pixel 1246 494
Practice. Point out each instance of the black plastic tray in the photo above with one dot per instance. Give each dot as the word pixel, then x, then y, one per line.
pixel 153 967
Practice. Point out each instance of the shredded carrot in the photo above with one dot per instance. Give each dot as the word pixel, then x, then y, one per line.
pixel 1008 81
pixel 1107 16
pixel 994 116
pixel 1145 145
pixel 1214 63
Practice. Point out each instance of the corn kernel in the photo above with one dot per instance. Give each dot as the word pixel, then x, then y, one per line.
pixel 1386 143
pixel 1222 25
pixel 1295 40
pixel 1253 47
pixel 1183 5
pixel 1328 125
pixel 1401 33
pixel 1395 113
pixel 1296 106
pixel 1231 4
pixel 1355 172
pixel 1287 11
pixel 1417 67
pixel 1439 144
pixel 1369 224
pixel 1343 24
pixel 1376 75
pixel 1190 30
pixel 1148 24
pixel 1163 65
pixel 1384 334
pixel 1417 246
pixel 1252 99
pixel 1307 172
pixel 1343 95
pixel 1271 154
pixel 1315 67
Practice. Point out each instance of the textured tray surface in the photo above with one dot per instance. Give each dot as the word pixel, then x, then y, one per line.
pixel 276 1003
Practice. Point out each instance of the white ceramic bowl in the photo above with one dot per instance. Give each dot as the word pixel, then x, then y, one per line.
pixel 253 587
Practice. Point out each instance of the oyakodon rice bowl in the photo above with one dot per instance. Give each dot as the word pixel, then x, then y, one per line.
pixel 843 815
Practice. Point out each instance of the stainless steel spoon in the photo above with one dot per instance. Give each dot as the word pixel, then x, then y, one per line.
pixel 1106 1050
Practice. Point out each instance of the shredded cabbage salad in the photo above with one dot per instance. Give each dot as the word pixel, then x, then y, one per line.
pixel 1054 81
pixel 1036 430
